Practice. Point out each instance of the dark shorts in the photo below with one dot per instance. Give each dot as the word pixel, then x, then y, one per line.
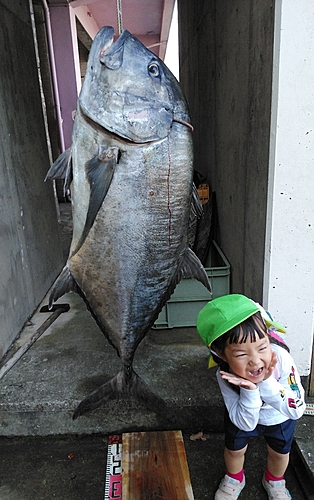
pixel 279 437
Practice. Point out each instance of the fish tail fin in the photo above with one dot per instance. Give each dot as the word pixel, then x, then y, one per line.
pixel 64 283
pixel 124 385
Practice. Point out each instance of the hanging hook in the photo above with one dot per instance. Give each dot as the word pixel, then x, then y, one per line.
pixel 119 15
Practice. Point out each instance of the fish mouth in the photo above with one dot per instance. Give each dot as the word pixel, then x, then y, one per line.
pixel 107 45
pixel 111 52
pixel 254 374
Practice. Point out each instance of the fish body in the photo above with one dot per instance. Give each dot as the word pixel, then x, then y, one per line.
pixel 131 169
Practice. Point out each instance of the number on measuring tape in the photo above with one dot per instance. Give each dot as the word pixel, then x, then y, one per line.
pixel 113 485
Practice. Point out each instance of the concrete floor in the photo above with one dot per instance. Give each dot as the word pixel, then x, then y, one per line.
pixel 40 468
pixel 38 396
pixel 44 454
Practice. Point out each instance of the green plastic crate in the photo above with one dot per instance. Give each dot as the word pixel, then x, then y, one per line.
pixel 190 296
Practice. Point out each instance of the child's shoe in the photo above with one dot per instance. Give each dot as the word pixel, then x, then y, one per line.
pixel 276 490
pixel 229 488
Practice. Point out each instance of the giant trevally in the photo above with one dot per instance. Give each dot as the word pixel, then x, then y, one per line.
pixel 131 169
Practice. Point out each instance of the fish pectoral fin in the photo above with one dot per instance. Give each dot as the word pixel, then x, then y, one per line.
pixel 99 171
pixel 193 268
pixel 62 167
pixel 65 283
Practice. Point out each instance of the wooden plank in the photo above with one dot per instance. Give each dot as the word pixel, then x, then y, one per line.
pixel 154 467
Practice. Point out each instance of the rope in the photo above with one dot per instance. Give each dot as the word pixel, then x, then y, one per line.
pixel 119 15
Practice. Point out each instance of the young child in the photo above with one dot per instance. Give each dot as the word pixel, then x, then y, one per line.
pixel 260 385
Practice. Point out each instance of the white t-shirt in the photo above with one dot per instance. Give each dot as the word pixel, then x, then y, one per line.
pixel 279 398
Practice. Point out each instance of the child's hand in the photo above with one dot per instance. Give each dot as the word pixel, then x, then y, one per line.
pixel 235 380
pixel 272 364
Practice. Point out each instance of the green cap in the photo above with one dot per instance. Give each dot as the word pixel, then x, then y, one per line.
pixel 222 314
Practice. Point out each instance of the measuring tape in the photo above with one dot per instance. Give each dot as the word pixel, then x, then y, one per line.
pixel 113 484
pixel 309 410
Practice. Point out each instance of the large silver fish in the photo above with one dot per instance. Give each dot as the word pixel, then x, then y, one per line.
pixel 131 169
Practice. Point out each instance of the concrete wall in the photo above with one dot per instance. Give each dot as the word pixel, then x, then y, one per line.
pixel 30 249
pixel 289 263
pixel 197 56
pixel 226 69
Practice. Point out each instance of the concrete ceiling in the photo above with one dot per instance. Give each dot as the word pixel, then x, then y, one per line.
pixel 148 20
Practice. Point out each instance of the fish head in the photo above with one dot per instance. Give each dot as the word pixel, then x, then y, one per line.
pixel 129 91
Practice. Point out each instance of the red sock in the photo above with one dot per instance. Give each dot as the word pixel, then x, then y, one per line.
pixel 238 476
pixel 270 477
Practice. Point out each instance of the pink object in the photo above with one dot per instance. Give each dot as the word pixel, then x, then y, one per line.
pixel 275 335
pixel 239 476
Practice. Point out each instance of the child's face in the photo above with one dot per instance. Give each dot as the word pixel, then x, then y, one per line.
pixel 249 360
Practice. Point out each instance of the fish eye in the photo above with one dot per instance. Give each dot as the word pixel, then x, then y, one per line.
pixel 153 70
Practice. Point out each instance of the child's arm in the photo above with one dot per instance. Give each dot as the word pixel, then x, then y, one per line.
pixel 283 389
pixel 243 406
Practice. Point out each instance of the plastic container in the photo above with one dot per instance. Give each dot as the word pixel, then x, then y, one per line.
pixel 190 296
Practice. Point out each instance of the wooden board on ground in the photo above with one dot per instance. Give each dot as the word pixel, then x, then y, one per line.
pixel 154 466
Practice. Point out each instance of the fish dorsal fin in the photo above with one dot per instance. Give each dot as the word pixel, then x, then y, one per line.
pixel 60 168
pixel 99 171
pixel 196 206
pixel 64 283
